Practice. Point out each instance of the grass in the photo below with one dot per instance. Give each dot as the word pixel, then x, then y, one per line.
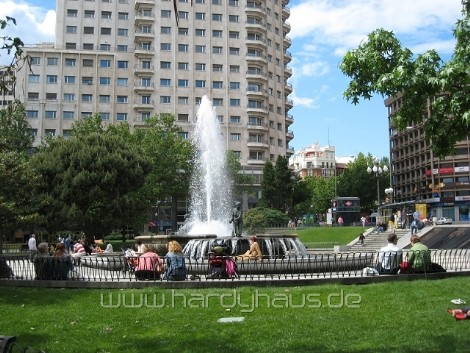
pixel 382 317
pixel 321 237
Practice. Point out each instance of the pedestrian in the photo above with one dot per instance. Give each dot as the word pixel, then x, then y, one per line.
pixel 340 221
pixel 32 247
pixel 361 239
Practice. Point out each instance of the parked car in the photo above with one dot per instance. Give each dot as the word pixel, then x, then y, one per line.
pixel 444 220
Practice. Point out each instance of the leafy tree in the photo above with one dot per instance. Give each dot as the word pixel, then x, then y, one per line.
pixel 322 191
pixel 268 186
pixel 284 181
pixel 171 157
pixel 92 183
pixel 255 220
pixel 381 65
pixel 301 198
pixel 15 131
pixel 355 181
pixel 242 183
pixel 10 45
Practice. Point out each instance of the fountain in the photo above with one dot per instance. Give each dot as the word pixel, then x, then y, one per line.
pixel 212 201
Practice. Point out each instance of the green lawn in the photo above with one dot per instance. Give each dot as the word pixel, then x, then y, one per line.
pixel 324 237
pixel 400 316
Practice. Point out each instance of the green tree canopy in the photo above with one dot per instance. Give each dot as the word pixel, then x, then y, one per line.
pixel 268 186
pixel 381 65
pixel 15 131
pixel 92 183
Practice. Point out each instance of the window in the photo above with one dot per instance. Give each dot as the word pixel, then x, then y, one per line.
pixel 85 114
pixel 87 80
pixel 105 47
pixel 105 98
pixel 217 102
pixel 234 35
pixel 145 64
pixel 200 83
pixel 165 99
pixel 183 15
pixel 165 30
pixel 217 68
pixel 122 47
pixel 233 18
pixel 51 78
pixel 165 65
pixel 200 67
pixel 235 119
pixel 121 116
pixel 146 46
pixel 122 32
pixel 69 45
pixel 200 1
pixel 87 97
pixel 106 14
pixel 68 115
pixel 49 132
pixel 165 82
pixel 217 17
pixel 87 63
pixel 35 60
pixel 70 62
pixel 123 15
pixel 200 16
pixel 183 31
pixel 146 99
pixel 183 100
pixel 184 135
pixel 200 32
pixel 235 85
pixel 104 116
pixel 146 81
pixel 121 99
pixel 235 137
pixel 32 114
pixel 200 48
pixel 216 2
pixel 106 31
pixel 105 63
pixel 183 117
pixel 165 46
pixel 217 33
pixel 71 29
pixel 88 30
pixel 51 114
pixel 89 14
pixel 233 2
pixel 217 84
pixel 165 13
pixel 69 97
pixel 216 50
pixel 33 96
pixel 121 64
pixel 69 79
pixel 234 68
pixel 183 66
pixel 51 96
pixel 33 78
pixel 66 133
pixel 183 83
pixel 234 102
pixel 234 51
pixel 72 13
pixel 183 47
pixel 88 46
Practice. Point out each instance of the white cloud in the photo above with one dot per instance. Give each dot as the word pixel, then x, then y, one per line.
pixel 342 24
pixel 33 24
pixel 314 69
pixel 307 102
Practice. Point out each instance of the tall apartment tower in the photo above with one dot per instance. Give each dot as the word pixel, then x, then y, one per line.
pixel 420 177
pixel 131 59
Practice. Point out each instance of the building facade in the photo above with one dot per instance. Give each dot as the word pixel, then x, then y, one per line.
pixel 441 187
pixel 130 59
pixel 314 160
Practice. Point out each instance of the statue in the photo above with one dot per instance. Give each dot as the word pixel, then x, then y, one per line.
pixel 237 219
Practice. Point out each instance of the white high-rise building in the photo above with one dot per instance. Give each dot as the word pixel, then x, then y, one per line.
pixel 131 59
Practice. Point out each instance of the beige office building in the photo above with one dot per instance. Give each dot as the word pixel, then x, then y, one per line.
pixel 130 59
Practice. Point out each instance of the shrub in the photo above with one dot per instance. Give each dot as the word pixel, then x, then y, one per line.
pixel 257 219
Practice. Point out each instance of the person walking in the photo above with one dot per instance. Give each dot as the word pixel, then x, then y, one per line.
pixel 32 247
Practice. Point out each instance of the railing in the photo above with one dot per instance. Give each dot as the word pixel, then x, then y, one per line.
pixel 117 268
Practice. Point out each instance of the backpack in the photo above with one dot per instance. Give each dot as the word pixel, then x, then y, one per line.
pixel 176 268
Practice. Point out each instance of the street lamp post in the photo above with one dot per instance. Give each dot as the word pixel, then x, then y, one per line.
pixel 389 192
pixel 377 170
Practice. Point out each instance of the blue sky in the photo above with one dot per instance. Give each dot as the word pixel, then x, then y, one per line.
pixel 321 32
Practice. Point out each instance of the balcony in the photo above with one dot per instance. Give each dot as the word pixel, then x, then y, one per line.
pixel 287 56
pixel 287 42
pixel 289 135
pixel 288 88
pixel 144 17
pixel 256 74
pixel 257 127
pixel 287 71
pixel 289 119
pixel 146 106
pixel 143 35
pixel 144 50
pixel 143 88
pixel 257 109
pixel 260 58
pixel 260 25
pixel 256 91
pixel 139 3
pixel 289 103
pixel 285 12
pixel 252 8
pixel 254 42
pixel 286 26
pixel 257 143
pixel 143 69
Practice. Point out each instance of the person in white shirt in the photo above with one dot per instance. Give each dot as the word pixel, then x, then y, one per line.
pixel 32 247
pixel 390 256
